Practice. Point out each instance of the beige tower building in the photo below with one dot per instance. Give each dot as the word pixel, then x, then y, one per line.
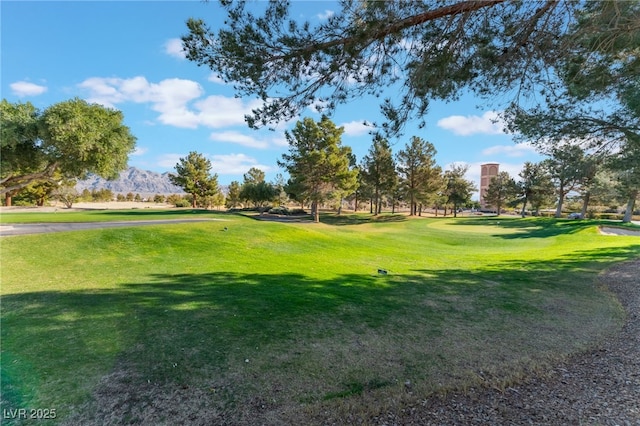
pixel 487 172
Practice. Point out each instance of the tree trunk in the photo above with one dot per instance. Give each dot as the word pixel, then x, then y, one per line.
pixel 523 213
pixel 376 198
pixel 585 204
pixel 7 199
pixel 630 205
pixel 316 211
pixel 193 202
pixel 560 202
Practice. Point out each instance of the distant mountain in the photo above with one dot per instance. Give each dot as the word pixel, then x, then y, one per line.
pixel 143 182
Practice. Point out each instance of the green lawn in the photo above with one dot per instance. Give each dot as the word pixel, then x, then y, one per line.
pixel 282 322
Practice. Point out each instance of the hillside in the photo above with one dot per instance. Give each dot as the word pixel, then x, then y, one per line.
pixel 143 182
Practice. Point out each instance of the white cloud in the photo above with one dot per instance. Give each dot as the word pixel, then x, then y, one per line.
pixel 24 88
pixel 173 47
pixel 240 139
pixel 139 151
pixel 220 111
pixel 169 161
pixel 326 15
pixel 215 79
pixel 461 125
pixel 515 150
pixel 280 140
pixel 167 96
pixel 172 99
pixel 222 164
pixel 233 164
pixel 355 128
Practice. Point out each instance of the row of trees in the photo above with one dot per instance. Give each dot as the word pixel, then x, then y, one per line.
pixel 564 72
pixel 322 170
pixel 569 169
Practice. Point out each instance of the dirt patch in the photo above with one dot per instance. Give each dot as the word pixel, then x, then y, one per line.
pixel 614 230
pixel 60 208
pixel 600 387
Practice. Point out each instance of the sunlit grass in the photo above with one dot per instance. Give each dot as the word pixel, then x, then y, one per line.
pixel 300 310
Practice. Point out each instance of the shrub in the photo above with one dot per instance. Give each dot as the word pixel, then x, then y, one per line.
pixel 279 210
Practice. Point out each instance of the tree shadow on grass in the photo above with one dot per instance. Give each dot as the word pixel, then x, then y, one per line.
pixel 531 227
pixel 197 330
pixel 152 213
pixel 360 219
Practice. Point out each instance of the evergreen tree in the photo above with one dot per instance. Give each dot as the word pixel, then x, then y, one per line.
pixel 317 162
pixel 535 185
pixel 418 171
pixel 501 190
pixel 457 188
pixel 379 170
pixel 193 175
pixel 233 195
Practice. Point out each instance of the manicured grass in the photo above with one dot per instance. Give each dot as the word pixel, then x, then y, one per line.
pixel 281 321
pixel 102 215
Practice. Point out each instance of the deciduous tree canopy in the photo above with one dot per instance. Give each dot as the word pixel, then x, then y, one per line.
pixel 70 139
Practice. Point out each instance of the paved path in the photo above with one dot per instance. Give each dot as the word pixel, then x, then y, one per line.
pixel 43 228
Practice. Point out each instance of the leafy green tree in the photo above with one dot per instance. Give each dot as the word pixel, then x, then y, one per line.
pixel 626 166
pixel 317 162
pixel 589 183
pixel 159 198
pixel 457 188
pixel 362 192
pixel 233 195
pixel 255 190
pixel 379 170
pixel 193 175
pixel 501 190
pixel 566 167
pixel 296 192
pixel 254 175
pixel 37 193
pixel 86 195
pixel 175 199
pixel 534 186
pixel 418 171
pixel 260 194
pixel 68 139
pixel 67 193
pixel 279 185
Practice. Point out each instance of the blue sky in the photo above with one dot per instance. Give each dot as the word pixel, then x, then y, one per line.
pixel 127 55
